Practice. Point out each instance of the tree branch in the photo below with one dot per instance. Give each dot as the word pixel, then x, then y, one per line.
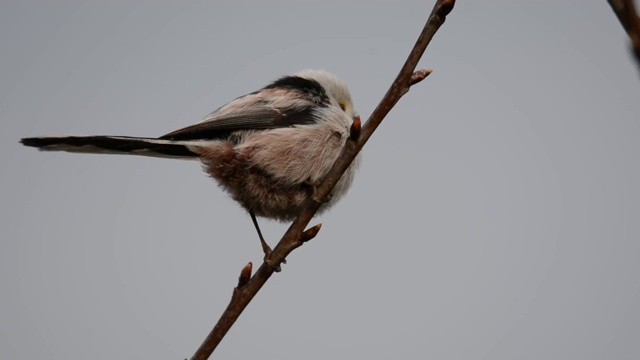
pixel 628 17
pixel 295 235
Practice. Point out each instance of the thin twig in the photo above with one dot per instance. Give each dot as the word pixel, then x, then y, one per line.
pixel 295 235
pixel 628 17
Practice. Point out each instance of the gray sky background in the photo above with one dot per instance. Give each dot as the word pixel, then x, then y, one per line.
pixel 496 214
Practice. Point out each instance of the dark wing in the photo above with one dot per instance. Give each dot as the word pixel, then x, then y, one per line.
pixel 251 112
pixel 253 119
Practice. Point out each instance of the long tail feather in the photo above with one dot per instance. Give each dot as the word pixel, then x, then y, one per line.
pixel 114 145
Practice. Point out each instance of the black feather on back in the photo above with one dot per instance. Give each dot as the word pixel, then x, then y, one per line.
pixel 262 116
pixel 311 88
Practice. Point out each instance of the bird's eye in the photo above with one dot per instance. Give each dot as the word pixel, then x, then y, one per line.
pixel 343 105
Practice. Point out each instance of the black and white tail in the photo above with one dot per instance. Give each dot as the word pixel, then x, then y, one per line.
pixel 115 145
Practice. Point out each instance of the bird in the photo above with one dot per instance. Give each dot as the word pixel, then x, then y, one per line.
pixel 267 149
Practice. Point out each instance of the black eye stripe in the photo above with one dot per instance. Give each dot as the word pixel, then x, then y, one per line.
pixel 311 88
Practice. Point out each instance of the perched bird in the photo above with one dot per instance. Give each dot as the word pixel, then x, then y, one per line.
pixel 268 149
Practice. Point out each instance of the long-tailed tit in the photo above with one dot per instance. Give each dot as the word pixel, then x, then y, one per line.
pixel 267 149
